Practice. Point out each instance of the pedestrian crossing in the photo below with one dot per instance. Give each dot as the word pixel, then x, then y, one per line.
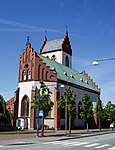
pixel 82 144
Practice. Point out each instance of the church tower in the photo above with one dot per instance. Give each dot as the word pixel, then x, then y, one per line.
pixel 58 50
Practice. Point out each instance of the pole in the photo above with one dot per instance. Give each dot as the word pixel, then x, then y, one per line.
pixel 66 116
pixel 37 134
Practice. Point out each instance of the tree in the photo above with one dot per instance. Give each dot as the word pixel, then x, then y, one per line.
pixel 86 109
pixel 99 112
pixel 68 102
pixel 109 111
pixel 45 103
pixel 5 115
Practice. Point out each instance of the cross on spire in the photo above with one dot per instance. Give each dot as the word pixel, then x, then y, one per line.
pixel 28 42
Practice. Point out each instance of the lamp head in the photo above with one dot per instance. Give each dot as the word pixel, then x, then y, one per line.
pixel 95 63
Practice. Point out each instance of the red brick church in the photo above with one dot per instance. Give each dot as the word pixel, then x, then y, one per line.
pixel 53 64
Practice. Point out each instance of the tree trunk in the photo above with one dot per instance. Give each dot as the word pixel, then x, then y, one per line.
pixel 87 126
pixel 99 124
pixel 69 124
pixel 42 134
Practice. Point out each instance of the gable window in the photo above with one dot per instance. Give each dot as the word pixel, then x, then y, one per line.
pixel 53 57
pixel 24 75
pixel 29 75
pixel 67 61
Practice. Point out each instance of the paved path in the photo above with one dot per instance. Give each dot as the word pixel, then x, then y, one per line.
pixel 59 134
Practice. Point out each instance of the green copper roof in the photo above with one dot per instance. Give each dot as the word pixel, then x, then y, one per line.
pixel 53 45
pixel 68 74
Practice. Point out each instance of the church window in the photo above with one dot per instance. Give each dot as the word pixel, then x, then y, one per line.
pixel 51 76
pixel 24 75
pixel 67 61
pixel 29 75
pixel 53 57
pixel 39 71
pixel 25 106
pixel 46 75
pixel 42 73
pixel 26 66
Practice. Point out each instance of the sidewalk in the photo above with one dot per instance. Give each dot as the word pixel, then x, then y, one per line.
pixel 56 135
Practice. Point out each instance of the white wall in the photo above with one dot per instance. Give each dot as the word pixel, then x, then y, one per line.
pixel 26 87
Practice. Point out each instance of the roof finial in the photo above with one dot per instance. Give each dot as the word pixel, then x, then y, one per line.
pixel 45 34
pixel 45 39
pixel 66 30
pixel 28 42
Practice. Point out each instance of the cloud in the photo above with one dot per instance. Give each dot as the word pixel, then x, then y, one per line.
pixel 30 28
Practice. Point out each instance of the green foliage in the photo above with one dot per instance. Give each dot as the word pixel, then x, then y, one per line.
pixel 68 102
pixel 2 105
pixel 99 109
pixel 99 112
pixel 86 108
pixel 69 96
pixel 45 104
pixel 5 115
pixel 109 111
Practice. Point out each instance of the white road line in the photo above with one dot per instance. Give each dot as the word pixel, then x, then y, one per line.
pixel 1 145
pixel 70 143
pixel 112 148
pixel 55 142
pixel 77 144
pixel 102 146
pixel 52 142
pixel 91 145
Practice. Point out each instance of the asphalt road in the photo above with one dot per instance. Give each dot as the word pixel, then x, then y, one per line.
pixel 101 142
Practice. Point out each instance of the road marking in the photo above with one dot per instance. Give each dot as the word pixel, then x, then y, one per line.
pixel 102 146
pixel 54 142
pixel 1 145
pixel 81 143
pixel 76 144
pixel 69 143
pixel 112 148
pixel 91 145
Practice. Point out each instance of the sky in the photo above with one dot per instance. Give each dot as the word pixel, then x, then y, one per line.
pixel 91 27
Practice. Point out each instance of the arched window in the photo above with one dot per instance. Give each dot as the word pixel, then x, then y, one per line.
pixel 67 61
pixel 39 71
pixel 43 74
pixel 29 75
pixel 24 75
pixel 46 75
pixel 25 107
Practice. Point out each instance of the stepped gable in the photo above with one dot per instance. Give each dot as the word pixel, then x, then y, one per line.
pixel 88 77
pixel 62 44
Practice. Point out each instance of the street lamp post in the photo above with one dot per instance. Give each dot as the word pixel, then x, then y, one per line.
pixel 38 97
pixel 96 62
pixel 66 116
